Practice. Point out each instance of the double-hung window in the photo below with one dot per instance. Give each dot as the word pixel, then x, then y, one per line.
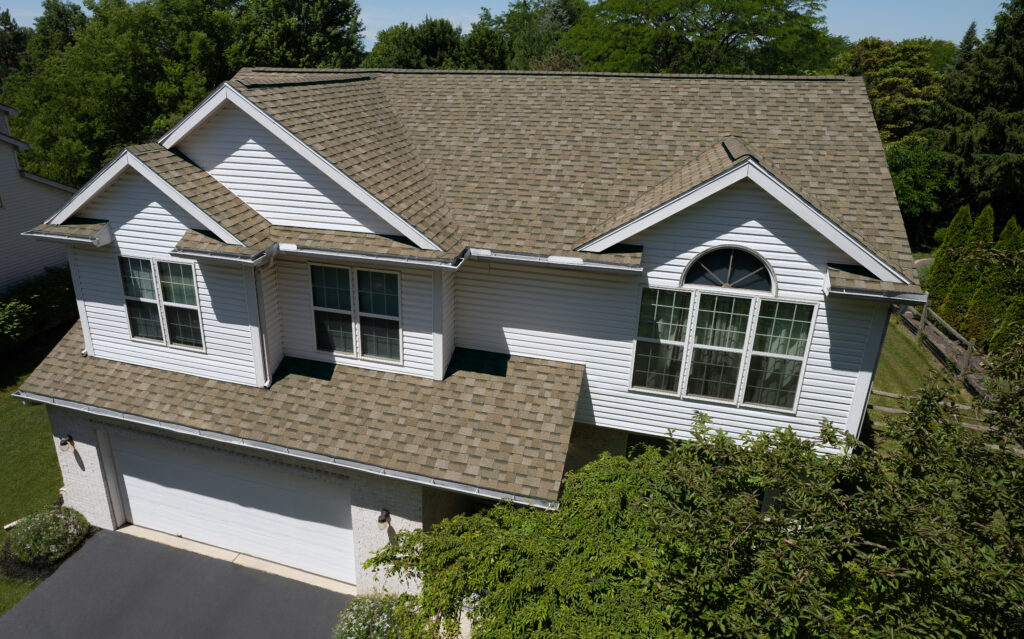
pixel 161 301
pixel 724 340
pixel 356 312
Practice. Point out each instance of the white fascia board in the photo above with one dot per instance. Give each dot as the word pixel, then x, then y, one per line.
pixel 442 264
pixel 559 261
pixel 774 187
pixel 21 145
pixel 106 175
pixel 227 93
pixel 112 171
pixel 349 464
pixel 102 237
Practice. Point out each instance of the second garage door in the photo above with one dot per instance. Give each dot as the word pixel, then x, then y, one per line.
pixel 273 512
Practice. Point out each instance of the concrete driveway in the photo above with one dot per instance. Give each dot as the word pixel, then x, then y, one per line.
pixel 118 586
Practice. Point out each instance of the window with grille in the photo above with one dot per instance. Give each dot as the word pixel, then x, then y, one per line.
pixel 168 312
pixel 356 312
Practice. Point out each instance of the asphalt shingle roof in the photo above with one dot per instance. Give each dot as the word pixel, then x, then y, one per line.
pixel 534 162
pixel 495 421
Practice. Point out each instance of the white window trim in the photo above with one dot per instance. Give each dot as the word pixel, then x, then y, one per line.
pixel 756 297
pixel 160 303
pixel 637 338
pixel 353 283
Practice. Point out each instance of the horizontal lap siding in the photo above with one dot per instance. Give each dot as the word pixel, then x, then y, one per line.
pixel 415 307
pixel 272 178
pixel 448 306
pixel 589 318
pixel 145 223
pixel 26 203
pixel 272 329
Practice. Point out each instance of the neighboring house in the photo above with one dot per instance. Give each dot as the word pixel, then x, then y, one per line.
pixel 26 199
pixel 327 294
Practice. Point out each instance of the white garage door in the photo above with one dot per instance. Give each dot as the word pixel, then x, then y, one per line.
pixel 267 511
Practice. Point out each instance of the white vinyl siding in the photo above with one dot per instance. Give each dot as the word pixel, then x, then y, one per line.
pixel 416 319
pixel 26 203
pixel 146 224
pixel 592 318
pixel 448 310
pixel 272 329
pixel 273 179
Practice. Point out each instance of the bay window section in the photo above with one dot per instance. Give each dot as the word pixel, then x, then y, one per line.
pixel 777 356
pixel 660 341
pixel 718 343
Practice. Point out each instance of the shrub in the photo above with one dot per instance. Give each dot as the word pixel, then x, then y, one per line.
pixel 380 616
pixel 15 322
pixel 35 305
pixel 47 536
pixel 944 270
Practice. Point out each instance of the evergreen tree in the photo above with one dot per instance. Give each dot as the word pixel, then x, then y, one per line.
pixel 13 41
pixel 982 114
pixel 971 266
pixel 943 271
pixel 995 288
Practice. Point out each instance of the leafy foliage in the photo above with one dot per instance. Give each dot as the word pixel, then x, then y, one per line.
pixel 763 538
pixel 13 41
pixel 720 36
pixel 943 271
pixel 381 616
pixel 36 304
pixel 47 536
pixel 297 33
pixel 432 44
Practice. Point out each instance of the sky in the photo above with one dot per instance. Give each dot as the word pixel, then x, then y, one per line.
pixel 887 19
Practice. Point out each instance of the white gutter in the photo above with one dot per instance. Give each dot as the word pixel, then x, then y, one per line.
pixel 553 260
pixel 886 296
pixel 443 264
pixel 253 444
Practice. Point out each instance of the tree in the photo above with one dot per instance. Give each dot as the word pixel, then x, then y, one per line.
pixel 943 271
pixel 55 29
pixel 970 269
pixel 432 44
pixel 484 46
pixel 766 537
pixel 997 285
pixel 902 84
pixel 130 72
pixel 691 36
pixel 532 30
pixel 982 114
pixel 297 33
pixel 921 176
pixel 13 41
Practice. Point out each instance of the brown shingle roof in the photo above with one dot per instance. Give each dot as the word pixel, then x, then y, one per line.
pixel 851 278
pixel 212 197
pixel 497 422
pixel 76 227
pixel 533 162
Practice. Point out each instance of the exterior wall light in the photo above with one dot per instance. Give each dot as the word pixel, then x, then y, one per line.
pixel 384 520
pixel 67 443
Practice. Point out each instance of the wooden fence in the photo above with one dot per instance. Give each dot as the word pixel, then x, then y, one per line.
pixel 951 348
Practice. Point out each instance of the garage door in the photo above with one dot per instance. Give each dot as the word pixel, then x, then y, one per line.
pixel 269 511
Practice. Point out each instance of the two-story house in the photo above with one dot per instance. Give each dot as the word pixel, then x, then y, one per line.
pixel 26 199
pixel 328 304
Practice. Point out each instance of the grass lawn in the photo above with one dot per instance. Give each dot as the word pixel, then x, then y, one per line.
pixel 29 475
pixel 904 367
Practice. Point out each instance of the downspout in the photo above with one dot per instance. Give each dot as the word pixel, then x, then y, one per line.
pixel 267 373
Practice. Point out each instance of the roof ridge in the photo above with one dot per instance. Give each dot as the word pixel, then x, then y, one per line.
pixel 514 72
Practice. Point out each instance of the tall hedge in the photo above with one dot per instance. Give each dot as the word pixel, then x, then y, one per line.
pixel 968 272
pixel 941 275
pixel 996 287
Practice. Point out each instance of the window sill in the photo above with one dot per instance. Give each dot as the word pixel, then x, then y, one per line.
pixel 352 357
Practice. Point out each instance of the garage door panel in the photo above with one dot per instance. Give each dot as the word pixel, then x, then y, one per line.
pixel 226 501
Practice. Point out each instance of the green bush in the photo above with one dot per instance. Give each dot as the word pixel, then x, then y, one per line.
pixel 15 322
pixel 381 616
pixel 35 305
pixel 47 536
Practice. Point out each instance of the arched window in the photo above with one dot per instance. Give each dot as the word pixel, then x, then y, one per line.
pixel 730 268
